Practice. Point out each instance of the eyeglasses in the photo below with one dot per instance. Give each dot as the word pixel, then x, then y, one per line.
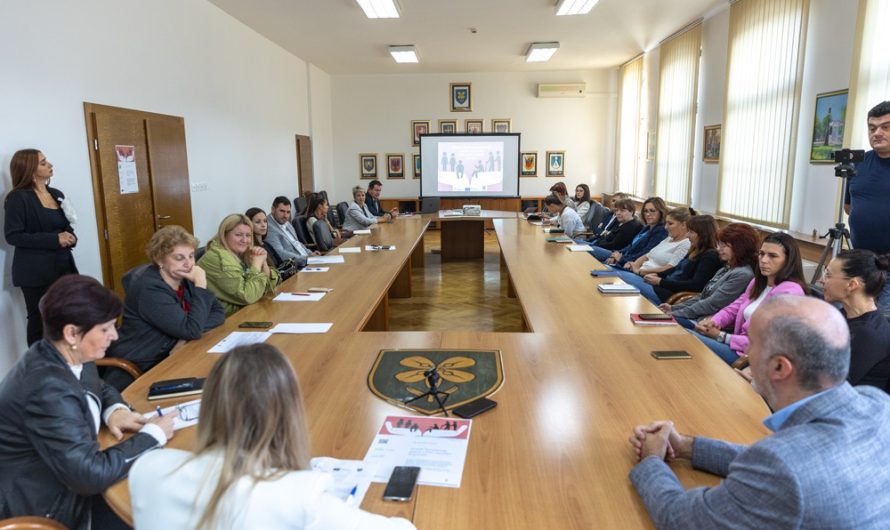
pixel 188 412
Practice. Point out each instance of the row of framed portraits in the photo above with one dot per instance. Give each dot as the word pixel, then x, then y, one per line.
pixel 471 126
pixel 395 165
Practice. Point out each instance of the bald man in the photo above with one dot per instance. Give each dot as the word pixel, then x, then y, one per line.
pixel 827 463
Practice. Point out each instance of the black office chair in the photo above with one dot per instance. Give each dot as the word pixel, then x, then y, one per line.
pixel 199 252
pixel 299 224
pixel 341 211
pixel 334 217
pixel 300 204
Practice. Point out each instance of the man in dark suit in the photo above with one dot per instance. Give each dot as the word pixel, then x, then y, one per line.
pixel 827 463
pixel 372 200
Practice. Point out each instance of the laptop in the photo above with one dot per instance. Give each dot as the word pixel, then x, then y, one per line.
pixel 429 205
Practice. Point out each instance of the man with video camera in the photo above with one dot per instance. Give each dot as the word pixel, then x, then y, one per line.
pixel 868 194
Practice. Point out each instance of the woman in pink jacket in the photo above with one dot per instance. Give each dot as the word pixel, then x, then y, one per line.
pixel 780 271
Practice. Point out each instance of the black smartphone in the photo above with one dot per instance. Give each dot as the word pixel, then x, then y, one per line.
pixel 255 325
pixel 664 355
pixel 655 316
pixel 597 274
pixel 474 408
pixel 401 483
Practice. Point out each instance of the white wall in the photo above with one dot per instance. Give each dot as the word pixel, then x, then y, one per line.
pixel 373 114
pixel 828 54
pixel 242 97
pixel 321 126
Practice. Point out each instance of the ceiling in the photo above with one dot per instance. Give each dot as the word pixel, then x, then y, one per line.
pixel 336 36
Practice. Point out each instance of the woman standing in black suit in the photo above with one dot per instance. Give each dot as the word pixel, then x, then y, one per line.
pixel 38 225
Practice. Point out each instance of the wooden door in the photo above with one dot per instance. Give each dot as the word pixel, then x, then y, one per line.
pixel 305 177
pixel 127 216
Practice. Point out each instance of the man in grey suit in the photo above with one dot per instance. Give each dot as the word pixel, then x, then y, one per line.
pixel 827 463
pixel 282 237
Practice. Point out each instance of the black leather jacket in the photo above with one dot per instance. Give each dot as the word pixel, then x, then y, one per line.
pixel 50 462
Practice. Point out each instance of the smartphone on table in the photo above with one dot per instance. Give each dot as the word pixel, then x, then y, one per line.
pixel 665 355
pixel 401 483
pixel 255 325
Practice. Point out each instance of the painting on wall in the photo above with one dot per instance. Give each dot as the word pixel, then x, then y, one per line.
pixel 461 97
pixel 395 166
pixel 368 165
pixel 711 147
pixel 419 127
pixel 500 126
pixel 448 126
pixel 473 126
pixel 529 164
pixel 416 166
pixel 828 126
pixel 556 163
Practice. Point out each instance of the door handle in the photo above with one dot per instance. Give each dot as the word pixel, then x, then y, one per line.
pixel 165 216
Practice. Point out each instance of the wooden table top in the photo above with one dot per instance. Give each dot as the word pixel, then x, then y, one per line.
pixel 485 214
pixel 554 453
pixel 557 292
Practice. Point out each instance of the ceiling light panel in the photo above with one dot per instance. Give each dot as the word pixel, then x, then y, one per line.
pixel 574 7
pixel 404 54
pixel 540 52
pixel 379 8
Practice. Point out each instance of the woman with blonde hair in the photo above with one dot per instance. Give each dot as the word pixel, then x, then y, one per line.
pixel 238 272
pixel 250 464
pixel 166 301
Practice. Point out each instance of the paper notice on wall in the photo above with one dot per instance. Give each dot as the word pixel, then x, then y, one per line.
pixel 126 168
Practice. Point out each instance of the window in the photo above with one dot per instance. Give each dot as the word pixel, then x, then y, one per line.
pixel 870 83
pixel 629 115
pixel 766 43
pixel 678 91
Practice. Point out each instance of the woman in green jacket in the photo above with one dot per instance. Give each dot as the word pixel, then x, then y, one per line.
pixel 237 271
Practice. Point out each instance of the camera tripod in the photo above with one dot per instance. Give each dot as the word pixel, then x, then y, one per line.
pixel 432 379
pixel 839 234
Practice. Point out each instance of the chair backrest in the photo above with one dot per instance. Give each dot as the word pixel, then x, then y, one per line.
pixel 334 217
pixel 31 522
pixel 341 211
pixel 300 204
pixel 299 223
pixel 595 214
pixel 199 252
pixel 324 239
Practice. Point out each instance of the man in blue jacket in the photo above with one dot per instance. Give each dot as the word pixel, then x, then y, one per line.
pixel 827 463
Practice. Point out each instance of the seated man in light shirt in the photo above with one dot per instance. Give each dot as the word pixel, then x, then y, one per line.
pixel 566 218
pixel 827 463
pixel 282 237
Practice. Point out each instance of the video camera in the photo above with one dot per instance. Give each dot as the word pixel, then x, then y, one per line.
pixel 845 158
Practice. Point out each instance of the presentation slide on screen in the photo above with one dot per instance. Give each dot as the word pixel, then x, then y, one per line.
pixel 470 165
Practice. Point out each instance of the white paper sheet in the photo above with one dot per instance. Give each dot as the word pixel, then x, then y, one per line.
pixel 350 250
pixel 376 248
pixel 318 260
pixel 315 269
pixel 578 248
pixel 293 297
pixel 362 232
pixel 352 478
pixel 302 328
pixel 186 414
pixel 437 445
pixel 239 338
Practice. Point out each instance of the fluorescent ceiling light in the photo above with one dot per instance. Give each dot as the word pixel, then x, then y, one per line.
pixel 540 52
pixel 574 7
pixel 403 54
pixel 380 8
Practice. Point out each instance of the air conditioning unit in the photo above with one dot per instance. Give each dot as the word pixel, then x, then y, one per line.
pixel 563 90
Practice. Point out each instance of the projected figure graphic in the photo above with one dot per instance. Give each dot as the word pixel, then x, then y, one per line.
pixel 497 161
pixel 460 170
pixel 451 162
pixel 444 161
pixel 490 161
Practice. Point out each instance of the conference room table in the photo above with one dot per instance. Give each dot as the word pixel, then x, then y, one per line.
pixel 554 453
pixel 463 235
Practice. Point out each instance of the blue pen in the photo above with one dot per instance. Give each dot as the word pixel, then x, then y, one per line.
pixel 158 410
pixel 352 493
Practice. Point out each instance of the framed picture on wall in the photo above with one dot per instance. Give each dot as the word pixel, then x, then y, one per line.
pixel 473 126
pixel 448 126
pixel 711 148
pixel 419 127
pixel 416 166
pixel 828 126
pixel 500 126
pixel 367 163
pixel 528 161
pixel 461 97
pixel 395 165
pixel 556 163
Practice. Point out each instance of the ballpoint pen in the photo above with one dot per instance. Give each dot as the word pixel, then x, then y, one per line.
pixel 158 410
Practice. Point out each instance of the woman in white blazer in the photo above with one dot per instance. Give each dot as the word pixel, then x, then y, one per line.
pixel 358 216
pixel 250 466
